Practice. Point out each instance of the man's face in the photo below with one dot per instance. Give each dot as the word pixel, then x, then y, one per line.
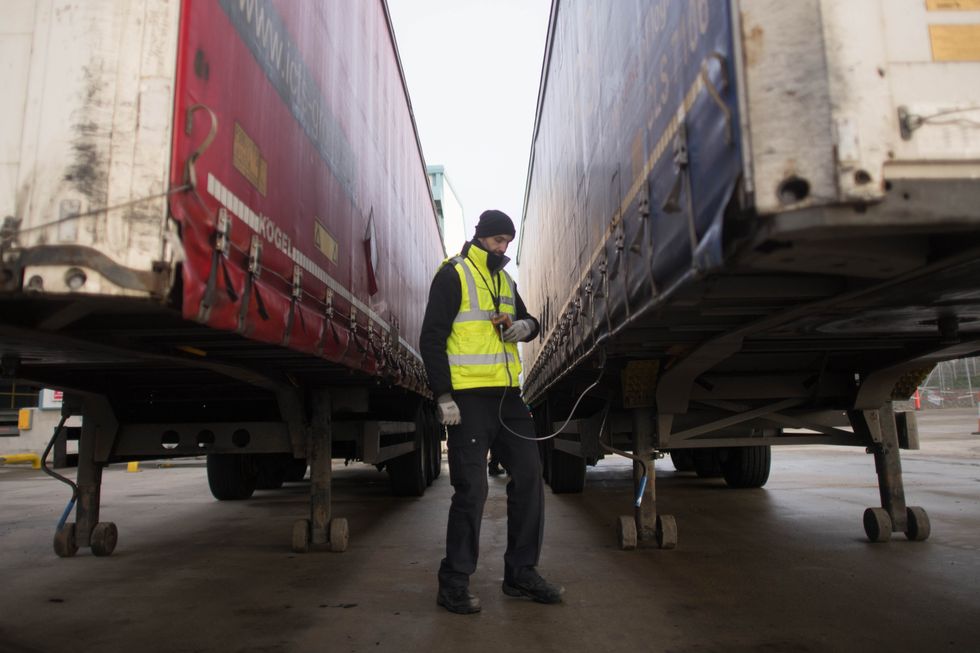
pixel 497 244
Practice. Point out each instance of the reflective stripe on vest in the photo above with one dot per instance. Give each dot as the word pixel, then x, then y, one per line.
pixel 478 358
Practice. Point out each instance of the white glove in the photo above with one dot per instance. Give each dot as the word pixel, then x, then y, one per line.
pixel 447 410
pixel 518 331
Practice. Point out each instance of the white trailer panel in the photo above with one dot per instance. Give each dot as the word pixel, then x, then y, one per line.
pixel 88 132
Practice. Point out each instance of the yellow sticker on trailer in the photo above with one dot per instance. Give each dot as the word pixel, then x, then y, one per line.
pixel 248 160
pixel 325 242
pixel 952 5
pixel 955 42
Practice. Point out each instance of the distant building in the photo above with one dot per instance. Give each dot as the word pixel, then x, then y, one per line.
pixel 449 209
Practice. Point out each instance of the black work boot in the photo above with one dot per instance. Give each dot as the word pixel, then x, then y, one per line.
pixel 458 600
pixel 528 582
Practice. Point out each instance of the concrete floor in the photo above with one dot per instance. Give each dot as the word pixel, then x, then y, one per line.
pixel 784 568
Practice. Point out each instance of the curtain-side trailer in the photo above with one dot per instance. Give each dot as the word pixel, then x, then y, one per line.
pixel 754 222
pixel 217 239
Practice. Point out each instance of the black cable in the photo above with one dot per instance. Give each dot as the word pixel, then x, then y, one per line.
pixel 510 382
pixel 56 475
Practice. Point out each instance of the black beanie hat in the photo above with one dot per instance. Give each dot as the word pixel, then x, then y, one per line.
pixel 494 223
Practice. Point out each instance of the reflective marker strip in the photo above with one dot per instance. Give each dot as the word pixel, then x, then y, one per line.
pixel 479 359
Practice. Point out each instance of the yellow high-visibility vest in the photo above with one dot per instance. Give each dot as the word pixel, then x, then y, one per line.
pixel 478 358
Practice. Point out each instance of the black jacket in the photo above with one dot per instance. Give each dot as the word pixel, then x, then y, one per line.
pixel 445 296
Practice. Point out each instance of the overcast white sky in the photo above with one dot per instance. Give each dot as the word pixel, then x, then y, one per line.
pixel 473 68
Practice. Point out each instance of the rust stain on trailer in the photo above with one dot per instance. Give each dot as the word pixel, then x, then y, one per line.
pixel 753 45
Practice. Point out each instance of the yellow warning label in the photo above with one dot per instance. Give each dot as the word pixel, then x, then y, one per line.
pixel 955 42
pixel 952 5
pixel 325 242
pixel 248 160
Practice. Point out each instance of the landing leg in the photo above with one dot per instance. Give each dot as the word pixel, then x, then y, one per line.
pixel 320 531
pixel 89 484
pixel 99 428
pixel 645 514
pixel 878 428
pixel 645 524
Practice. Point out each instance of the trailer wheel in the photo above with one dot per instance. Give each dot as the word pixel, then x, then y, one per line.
pixel 65 544
pixel 296 470
pixel 339 535
pixel 877 525
pixel 683 460
pixel 231 477
pixel 437 451
pixel 542 428
pixel 270 470
pixel 426 425
pixel 747 467
pixel 567 473
pixel 666 531
pixel 104 538
pixel 301 536
pixel 544 450
pixel 627 533
pixel 407 473
pixel 917 526
pixel 707 463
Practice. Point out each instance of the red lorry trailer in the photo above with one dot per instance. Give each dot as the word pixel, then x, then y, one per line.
pixel 218 237
pixel 748 223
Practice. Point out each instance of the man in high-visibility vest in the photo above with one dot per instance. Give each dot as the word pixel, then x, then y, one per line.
pixel 473 321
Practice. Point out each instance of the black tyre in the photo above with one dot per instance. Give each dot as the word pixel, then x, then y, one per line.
pixel 707 463
pixel 425 425
pixel 683 460
pixel 296 470
pixel 746 467
pixel 231 477
pixel 435 450
pixel 407 473
pixel 270 470
pixel 544 450
pixel 541 416
pixel 567 473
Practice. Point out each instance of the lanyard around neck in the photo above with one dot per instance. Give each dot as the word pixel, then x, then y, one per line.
pixel 495 297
